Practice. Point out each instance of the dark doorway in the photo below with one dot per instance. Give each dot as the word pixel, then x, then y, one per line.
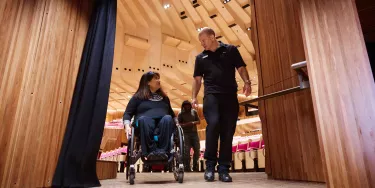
pixel 366 12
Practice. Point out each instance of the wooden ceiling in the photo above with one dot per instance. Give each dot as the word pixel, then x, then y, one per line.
pixel 161 35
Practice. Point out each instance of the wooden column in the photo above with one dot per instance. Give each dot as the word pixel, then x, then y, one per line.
pixel 41 46
pixel 343 91
pixel 288 122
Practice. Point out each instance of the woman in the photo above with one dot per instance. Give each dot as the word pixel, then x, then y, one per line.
pixel 188 119
pixel 153 115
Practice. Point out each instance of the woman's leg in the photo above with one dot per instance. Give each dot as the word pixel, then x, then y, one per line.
pixel 196 148
pixel 166 127
pixel 187 139
pixel 147 126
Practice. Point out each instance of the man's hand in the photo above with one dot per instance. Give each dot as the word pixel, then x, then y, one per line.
pixel 245 77
pixel 247 89
pixel 194 103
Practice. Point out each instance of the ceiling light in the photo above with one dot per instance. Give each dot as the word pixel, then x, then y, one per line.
pixel 167 6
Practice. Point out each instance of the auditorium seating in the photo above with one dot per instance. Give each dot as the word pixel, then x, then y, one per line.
pixel 247 152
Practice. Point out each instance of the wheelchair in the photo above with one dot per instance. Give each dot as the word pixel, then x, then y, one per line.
pixel 174 162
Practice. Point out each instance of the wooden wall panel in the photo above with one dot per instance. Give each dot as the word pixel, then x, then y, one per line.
pixel 289 128
pixel 343 91
pixel 261 104
pixel 42 42
pixel 106 169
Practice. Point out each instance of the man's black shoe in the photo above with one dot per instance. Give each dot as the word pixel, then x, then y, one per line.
pixel 209 175
pixel 225 177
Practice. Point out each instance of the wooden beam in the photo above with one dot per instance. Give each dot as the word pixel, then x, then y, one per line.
pixel 144 7
pixel 343 91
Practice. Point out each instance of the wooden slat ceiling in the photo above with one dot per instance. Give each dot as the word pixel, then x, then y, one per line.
pixel 161 35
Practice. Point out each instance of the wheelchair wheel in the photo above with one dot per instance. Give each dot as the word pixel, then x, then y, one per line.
pixel 130 170
pixel 127 160
pixel 178 159
pixel 131 178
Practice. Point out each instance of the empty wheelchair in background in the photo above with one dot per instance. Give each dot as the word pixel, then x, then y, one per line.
pixel 174 161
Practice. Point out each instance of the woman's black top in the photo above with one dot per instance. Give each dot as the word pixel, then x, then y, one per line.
pixel 156 107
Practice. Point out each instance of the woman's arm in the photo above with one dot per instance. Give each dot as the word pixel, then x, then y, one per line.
pixel 130 110
pixel 195 122
pixel 171 112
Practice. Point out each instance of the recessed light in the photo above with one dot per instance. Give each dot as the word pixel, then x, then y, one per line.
pixel 167 6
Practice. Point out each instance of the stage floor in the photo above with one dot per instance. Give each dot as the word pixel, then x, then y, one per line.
pixel 195 180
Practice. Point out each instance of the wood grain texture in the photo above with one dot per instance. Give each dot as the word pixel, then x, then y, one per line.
pixel 343 91
pixel 41 46
pixel 112 139
pixel 106 169
pixel 288 123
pixel 261 104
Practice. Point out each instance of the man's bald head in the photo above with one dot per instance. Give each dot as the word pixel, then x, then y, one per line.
pixel 207 39
pixel 208 31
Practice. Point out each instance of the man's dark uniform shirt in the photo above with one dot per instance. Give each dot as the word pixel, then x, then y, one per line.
pixel 218 69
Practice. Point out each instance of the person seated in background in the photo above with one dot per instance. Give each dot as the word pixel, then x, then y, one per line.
pixel 188 119
pixel 153 117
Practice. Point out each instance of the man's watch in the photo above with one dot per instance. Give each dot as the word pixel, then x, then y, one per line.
pixel 247 82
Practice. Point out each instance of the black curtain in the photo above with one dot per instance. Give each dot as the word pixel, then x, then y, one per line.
pixel 371 53
pixel 77 161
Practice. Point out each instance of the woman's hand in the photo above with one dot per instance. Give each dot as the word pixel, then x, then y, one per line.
pixel 128 130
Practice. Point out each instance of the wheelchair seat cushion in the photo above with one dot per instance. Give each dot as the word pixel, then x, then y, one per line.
pixel 157 155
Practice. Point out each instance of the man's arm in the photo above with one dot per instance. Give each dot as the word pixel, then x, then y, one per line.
pixel 197 82
pixel 196 87
pixel 245 77
pixel 244 74
pixel 241 68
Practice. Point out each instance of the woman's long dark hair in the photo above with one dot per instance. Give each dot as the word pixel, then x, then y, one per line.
pixel 144 91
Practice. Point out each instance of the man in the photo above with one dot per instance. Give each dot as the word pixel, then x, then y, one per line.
pixel 216 65
pixel 188 119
